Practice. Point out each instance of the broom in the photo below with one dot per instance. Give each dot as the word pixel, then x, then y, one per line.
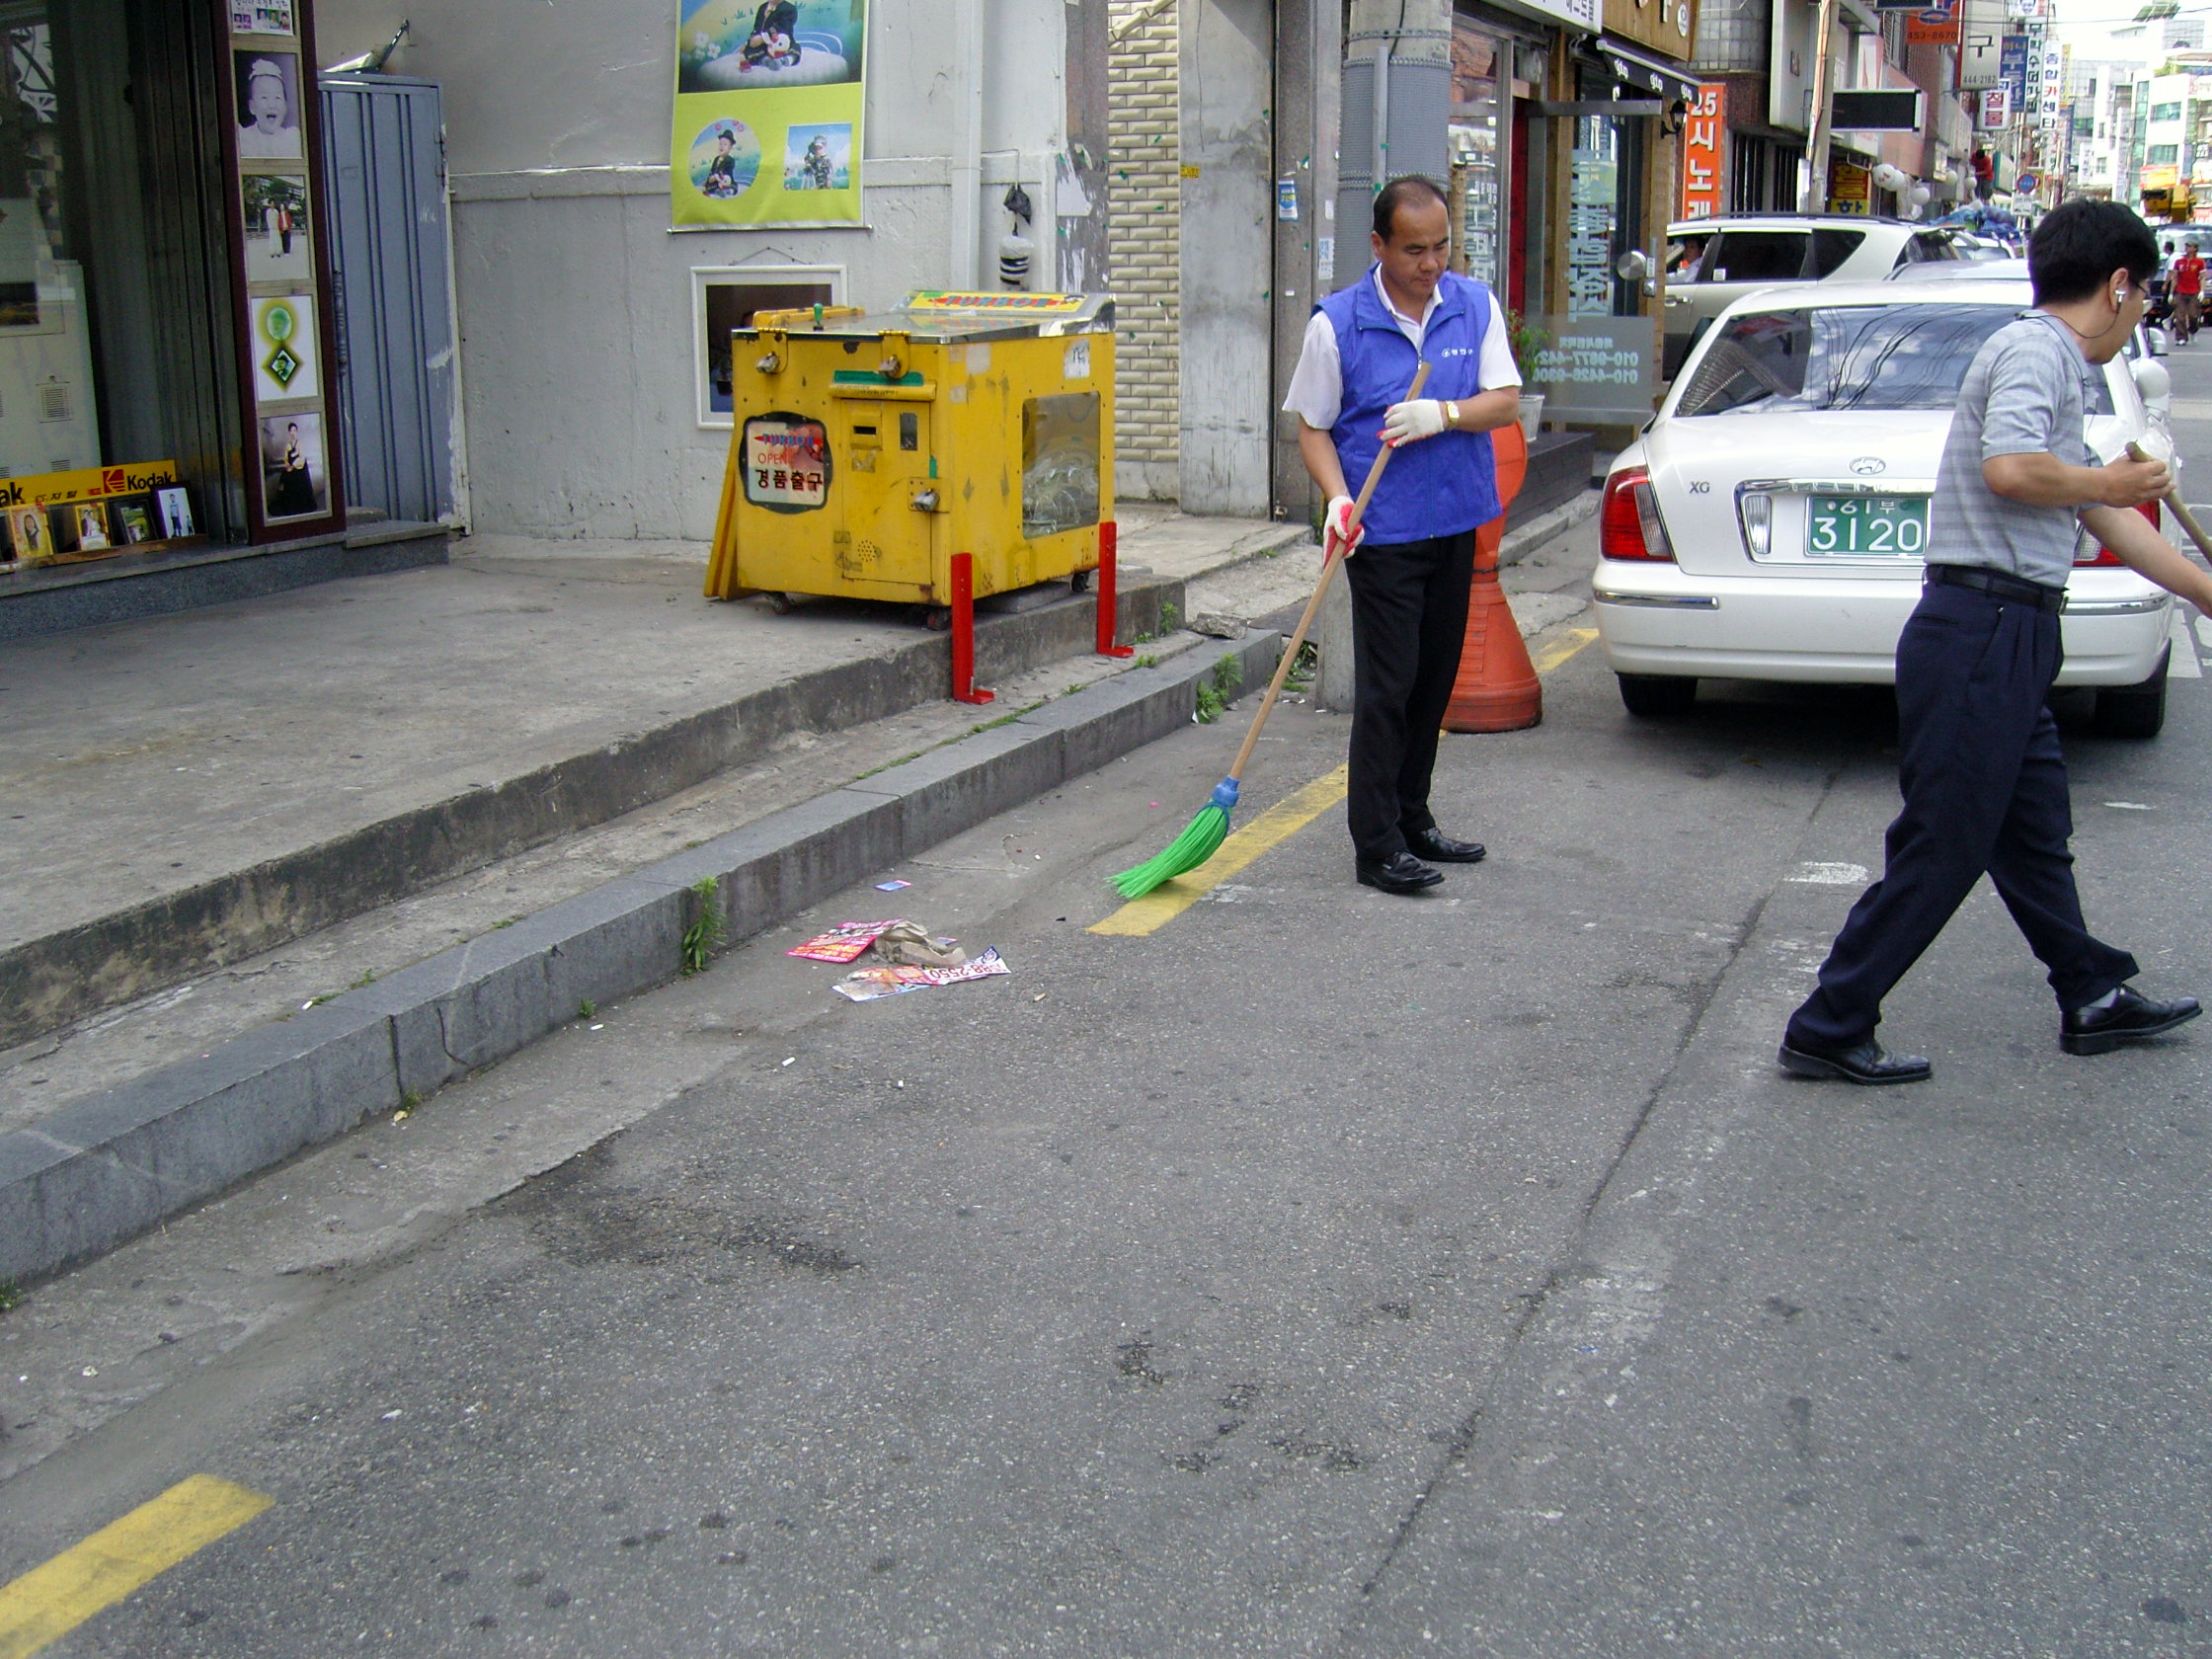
pixel 1204 835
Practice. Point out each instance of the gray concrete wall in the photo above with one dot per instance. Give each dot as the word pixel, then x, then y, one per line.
pixel 1228 55
pixel 574 296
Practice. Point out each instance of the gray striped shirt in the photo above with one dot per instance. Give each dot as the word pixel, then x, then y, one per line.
pixel 2028 391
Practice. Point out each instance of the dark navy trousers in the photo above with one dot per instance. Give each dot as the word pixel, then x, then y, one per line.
pixel 1409 619
pixel 1985 791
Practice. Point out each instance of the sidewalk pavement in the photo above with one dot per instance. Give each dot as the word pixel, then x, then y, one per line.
pixel 249 831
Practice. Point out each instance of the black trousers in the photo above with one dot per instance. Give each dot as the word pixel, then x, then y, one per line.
pixel 1985 790
pixel 1410 618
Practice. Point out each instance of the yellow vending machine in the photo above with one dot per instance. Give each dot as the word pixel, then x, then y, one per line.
pixel 958 446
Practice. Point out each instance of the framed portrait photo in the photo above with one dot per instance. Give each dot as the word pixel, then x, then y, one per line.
pixel 268 111
pixel 724 298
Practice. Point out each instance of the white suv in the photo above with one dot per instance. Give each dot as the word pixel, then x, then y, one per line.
pixel 1714 262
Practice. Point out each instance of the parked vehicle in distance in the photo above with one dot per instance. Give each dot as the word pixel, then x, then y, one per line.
pixel 1714 262
pixel 1769 523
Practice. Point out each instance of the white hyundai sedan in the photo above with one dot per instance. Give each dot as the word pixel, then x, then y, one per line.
pixel 1769 523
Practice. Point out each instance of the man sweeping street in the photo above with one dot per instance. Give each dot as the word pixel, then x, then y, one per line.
pixel 1416 544
pixel 1979 762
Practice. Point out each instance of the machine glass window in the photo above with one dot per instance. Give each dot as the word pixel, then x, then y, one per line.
pixel 1059 463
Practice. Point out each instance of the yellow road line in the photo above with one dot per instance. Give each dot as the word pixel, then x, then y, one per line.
pixel 49 1600
pixel 1272 827
pixel 1276 824
pixel 1568 642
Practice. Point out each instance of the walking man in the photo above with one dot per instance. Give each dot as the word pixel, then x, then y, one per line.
pixel 2188 291
pixel 1416 545
pixel 1979 762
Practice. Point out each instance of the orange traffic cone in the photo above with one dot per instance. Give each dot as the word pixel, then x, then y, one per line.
pixel 1497 689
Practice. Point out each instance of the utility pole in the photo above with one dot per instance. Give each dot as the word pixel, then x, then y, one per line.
pixel 1823 84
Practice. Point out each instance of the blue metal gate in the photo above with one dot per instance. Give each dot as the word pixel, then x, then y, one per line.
pixel 389 252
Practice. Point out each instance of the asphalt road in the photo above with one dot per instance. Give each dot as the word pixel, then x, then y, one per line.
pixel 1321 1273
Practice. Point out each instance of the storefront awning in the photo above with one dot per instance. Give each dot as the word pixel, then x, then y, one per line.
pixel 1636 68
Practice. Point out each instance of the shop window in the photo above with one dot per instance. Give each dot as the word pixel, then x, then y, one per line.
pixel 124 393
pixel 1479 186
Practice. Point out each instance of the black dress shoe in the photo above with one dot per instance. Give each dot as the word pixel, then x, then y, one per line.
pixel 1402 872
pixel 1866 1063
pixel 1431 843
pixel 2131 1019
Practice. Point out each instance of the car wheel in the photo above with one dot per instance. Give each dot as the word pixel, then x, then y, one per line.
pixel 2134 711
pixel 1657 696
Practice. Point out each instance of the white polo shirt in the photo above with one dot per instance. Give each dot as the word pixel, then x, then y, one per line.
pixel 1316 390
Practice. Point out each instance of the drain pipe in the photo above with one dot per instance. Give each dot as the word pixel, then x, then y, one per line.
pixel 964 225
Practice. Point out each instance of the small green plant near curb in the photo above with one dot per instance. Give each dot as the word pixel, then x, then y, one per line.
pixel 508 923
pixel 11 1298
pixel 409 1101
pixel 369 978
pixel 1145 662
pixel 1300 677
pixel 1215 690
pixel 586 1009
pixel 318 1002
pixel 706 934
pixel 1171 617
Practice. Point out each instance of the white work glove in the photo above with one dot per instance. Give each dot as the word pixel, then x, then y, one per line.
pixel 1417 418
pixel 1337 528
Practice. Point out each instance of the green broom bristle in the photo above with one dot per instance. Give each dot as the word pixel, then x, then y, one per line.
pixel 1193 848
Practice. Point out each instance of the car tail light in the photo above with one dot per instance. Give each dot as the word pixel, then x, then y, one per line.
pixel 2089 551
pixel 1628 525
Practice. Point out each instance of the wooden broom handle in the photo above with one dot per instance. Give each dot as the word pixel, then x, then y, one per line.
pixel 2174 504
pixel 1330 559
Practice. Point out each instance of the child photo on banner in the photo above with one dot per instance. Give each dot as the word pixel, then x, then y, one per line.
pixel 768 103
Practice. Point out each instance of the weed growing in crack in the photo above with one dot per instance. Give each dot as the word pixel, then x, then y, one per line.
pixel 706 934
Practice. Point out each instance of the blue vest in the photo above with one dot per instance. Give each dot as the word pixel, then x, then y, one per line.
pixel 1438 485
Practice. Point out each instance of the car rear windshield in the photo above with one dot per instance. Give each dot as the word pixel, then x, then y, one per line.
pixel 1840 356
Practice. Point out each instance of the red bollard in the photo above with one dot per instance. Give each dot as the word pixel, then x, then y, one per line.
pixel 1109 610
pixel 964 686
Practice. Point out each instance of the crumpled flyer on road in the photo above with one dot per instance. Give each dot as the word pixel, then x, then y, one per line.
pixel 848 941
pixel 869 983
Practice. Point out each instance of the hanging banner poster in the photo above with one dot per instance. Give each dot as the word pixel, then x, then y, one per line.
pixel 1703 131
pixel 768 103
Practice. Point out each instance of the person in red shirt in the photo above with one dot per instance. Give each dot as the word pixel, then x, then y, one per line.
pixel 2188 287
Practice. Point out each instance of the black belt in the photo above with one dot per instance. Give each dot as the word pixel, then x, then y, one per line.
pixel 2014 590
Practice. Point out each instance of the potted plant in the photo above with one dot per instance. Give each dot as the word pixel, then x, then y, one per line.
pixel 1527 340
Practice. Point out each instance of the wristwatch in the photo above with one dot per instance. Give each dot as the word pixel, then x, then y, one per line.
pixel 1450 414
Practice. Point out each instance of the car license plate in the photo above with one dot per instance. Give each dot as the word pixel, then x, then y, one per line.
pixel 1865 526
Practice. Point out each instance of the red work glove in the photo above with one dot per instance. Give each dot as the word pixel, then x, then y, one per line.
pixel 1337 528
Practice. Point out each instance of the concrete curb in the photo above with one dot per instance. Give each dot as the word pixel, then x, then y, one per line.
pixel 48 982
pixel 1518 543
pixel 98 1171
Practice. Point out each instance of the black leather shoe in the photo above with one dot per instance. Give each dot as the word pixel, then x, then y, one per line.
pixel 2134 1018
pixel 1866 1064
pixel 1402 872
pixel 1431 843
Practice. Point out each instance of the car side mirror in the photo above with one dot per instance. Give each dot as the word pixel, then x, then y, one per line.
pixel 2161 342
pixel 2152 379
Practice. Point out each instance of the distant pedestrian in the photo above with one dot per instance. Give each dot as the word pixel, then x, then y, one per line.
pixel 1410 582
pixel 1984 173
pixel 1979 762
pixel 2189 290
